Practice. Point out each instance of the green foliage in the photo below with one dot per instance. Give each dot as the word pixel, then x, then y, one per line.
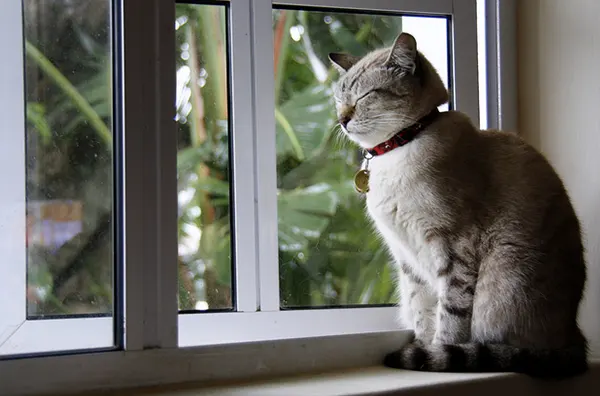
pixel 69 153
pixel 329 254
pixel 328 251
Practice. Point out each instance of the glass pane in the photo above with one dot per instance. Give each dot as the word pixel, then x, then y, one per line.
pixel 205 264
pixel 329 254
pixel 69 162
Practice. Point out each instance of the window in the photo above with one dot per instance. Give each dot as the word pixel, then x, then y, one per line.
pixel 187 188
pixel 58 206
pixel 203 159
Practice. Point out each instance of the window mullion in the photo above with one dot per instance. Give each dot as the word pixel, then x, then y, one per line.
pixel 242 155
pixel 465 88
pixel 266 163
pixel 13 228
pixel 150 150
pixel 500 22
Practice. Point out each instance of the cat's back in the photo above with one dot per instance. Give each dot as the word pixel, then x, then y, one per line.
pixel 516 166
pixel 495 178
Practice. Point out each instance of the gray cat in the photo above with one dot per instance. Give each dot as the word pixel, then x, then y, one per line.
pixel 487 243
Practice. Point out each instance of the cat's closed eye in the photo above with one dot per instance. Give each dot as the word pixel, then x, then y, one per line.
pixel 373 91
pixel 378 91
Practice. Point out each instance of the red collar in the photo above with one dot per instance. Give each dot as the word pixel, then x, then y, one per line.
pixel 404 136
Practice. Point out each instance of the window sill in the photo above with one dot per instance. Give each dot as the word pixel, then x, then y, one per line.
pixel 383 381
pixel 55 335
pixel 283 325
pixel 340 365
pixel 115 370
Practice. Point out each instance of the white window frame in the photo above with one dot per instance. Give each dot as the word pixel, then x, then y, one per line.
pixel 501 61
pixel 12 200
pixel 18 335
pixel 160 346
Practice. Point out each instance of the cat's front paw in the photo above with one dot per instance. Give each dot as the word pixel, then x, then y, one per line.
pixel 445 338
pixel 423 339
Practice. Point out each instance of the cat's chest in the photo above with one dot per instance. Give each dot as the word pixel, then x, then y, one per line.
pixel 397 194
pixel 401 202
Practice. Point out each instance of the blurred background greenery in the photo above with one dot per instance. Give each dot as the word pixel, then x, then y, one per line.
pixel 328 253
pixel 69 159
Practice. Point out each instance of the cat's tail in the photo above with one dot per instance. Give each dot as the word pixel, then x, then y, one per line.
pixel 475 357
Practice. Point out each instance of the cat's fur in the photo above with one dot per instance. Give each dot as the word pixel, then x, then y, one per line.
pixel 486 240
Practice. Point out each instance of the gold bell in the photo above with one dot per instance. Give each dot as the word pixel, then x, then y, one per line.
pixel 361 181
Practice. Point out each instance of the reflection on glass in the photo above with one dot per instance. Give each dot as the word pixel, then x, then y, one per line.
pixel 69 157
pixel 329 254
pixel 205 275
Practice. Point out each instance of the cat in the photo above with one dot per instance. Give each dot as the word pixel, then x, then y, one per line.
pixel 486 241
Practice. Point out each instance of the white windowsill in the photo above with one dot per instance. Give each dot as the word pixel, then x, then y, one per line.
pixel 282 325
pixel 341 365
pixel 54 335
pixel 383 381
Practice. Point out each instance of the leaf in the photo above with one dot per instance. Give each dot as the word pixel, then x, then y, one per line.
pixel 295 282
pixel 88 43
pixel 317 199
pixel 36 115
pixel 302 175
pixel 222 261
pixel 212 185
pixel 78 120
pixel 387 29
pixel 215 248
pixel 281 46
pixel 303 215
pixel 285 125
pixel 346 39
pixel 310 114
pixel 188 158
pixel 369 274
pixel 70 91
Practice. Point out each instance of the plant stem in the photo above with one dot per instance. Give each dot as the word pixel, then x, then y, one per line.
pixel 65 85
pixel 281 45
pixel 197 127
pixel 289 131
pixel 211 45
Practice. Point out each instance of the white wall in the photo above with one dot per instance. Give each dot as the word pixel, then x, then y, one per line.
pixel 559 113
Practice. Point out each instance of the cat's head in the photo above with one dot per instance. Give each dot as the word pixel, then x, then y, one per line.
pixel 384 91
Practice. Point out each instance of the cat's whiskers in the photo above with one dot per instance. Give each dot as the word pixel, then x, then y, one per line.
pixel 340 137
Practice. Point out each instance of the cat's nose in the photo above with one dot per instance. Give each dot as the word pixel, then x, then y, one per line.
pixel 344 120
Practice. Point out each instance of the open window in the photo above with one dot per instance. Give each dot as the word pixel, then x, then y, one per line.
pixel 174 187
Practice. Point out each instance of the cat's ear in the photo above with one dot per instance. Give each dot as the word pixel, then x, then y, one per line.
pixel 403 53
pixel 343 62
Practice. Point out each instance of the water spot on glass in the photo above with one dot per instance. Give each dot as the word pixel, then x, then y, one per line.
pixel 179 22
pixel 296 32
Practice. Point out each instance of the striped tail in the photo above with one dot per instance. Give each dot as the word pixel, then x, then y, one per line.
pixel 474 357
